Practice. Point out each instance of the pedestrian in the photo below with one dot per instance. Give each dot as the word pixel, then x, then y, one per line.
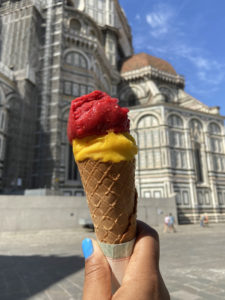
pixel 206 220
pixel 166 222
pixel 202 218
pixel 171 223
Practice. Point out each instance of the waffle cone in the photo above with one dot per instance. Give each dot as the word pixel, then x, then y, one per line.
pixel 111 197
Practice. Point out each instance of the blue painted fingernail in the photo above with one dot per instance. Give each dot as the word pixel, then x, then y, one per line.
pixel 87 247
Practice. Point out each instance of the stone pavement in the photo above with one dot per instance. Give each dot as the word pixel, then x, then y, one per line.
pixel 193 262
pixel 48 265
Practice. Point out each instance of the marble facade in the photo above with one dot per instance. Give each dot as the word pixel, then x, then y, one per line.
pixel 53 51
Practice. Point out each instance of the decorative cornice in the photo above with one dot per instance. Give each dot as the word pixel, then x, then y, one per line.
pixel 194 104
pixel 152 72
pixel 80 38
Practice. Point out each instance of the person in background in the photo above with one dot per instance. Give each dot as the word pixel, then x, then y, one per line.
pixel 202 218
pixel 166 222
pixel 171 223
pixel 206 220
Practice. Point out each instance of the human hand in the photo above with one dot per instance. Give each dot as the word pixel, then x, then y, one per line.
pixel 142 279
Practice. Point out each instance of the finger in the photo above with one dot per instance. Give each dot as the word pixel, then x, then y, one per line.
pixel 142 275
pixel 148 244
pixel 97 281
pixel 144 261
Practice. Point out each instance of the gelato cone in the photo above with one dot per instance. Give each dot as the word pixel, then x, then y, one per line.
pixel 98 129
pixel 111 198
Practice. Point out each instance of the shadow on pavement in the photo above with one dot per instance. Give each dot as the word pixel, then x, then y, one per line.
pixel 24 276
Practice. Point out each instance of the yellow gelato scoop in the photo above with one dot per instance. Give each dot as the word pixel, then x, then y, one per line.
pixel 113 147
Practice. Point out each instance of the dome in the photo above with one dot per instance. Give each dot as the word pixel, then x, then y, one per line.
pixel 138 61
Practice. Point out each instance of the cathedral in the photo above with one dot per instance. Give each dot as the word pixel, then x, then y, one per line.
pixel 52 51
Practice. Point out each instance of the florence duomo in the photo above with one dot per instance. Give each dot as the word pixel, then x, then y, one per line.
pixel 54 51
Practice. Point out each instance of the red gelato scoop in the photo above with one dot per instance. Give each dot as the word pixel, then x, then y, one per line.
pixel 96 114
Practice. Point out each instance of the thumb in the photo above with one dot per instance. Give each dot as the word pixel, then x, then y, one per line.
pixel 97 281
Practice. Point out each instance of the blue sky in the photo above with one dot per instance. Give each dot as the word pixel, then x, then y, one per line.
pixel 190 34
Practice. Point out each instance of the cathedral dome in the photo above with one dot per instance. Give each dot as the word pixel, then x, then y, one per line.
pixel 140 60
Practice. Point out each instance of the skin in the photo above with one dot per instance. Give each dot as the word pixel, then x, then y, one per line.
pixel 142 279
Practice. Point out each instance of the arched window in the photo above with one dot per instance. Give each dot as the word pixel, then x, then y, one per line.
pixel 134 94
pixel 148 139
pixel 76 59
pixel 148 121
pixel 75 25
pixel 175 121
pixel 131 99
pixel 177 142
pixel 167 93
pixel 76 89
pixel 214 128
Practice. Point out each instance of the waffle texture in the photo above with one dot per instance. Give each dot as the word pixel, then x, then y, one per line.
pixel 112 198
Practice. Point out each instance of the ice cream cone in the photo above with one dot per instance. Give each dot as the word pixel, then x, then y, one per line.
pixel 111 197
pixel 98 129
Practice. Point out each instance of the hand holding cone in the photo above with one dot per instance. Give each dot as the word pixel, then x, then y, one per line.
pixel 104 152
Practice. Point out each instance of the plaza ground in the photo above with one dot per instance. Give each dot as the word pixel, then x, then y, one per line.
pixel 48 265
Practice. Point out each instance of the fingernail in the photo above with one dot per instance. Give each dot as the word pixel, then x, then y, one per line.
pixel 87 247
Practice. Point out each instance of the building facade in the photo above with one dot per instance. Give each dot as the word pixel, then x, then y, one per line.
pixel 53 51
pixel 181 140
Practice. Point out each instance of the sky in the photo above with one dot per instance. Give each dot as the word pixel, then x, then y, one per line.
pixel 189 34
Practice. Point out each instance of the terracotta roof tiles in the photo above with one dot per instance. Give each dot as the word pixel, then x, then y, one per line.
pixel 138 61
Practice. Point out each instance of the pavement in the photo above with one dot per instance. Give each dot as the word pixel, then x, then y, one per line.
pixel 48 265
pixel 193 262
